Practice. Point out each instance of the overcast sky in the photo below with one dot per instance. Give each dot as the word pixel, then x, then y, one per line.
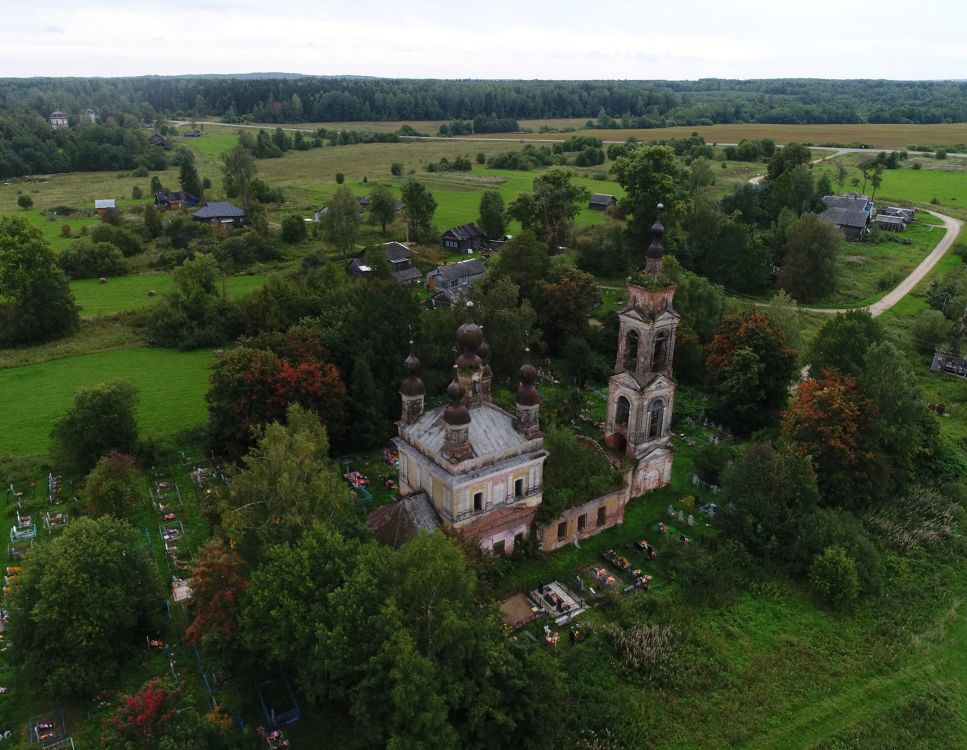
pixel 495 39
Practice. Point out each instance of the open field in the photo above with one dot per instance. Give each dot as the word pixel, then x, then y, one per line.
pixel 172 385
pixel 125 293
pixel 878 136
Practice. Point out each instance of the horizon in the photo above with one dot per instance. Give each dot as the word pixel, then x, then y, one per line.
pixel 749 40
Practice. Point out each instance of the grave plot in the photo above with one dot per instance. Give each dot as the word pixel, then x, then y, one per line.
pixel 24 528
pixel 55 521
pixel 48 729
pixel 171 531
pixel 278 701
pixel 557 602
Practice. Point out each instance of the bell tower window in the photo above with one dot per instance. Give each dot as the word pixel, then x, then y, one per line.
pixel 656 418
pixel 622 411
pixel 660 351
pixel 632 342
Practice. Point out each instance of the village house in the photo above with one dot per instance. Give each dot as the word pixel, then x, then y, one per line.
pixel 602 202
pixel 103 204
pixel 58 119
pixel 454 275
pixel 465 237
pixel 852 214
pixel 158 140
pixel 401 266
pixel 219 212
pixel 175 201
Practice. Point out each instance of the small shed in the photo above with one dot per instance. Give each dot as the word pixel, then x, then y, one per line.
pixel 602 201
pixel 103 204
pixel 890 223
pixel 156 139
pixel 220 212
pixel 464 237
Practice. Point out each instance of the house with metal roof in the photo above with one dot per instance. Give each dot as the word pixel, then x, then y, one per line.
pixel 455 275
pixel 219 212
pixel 103 204
pixel 175 200
pixel 852 214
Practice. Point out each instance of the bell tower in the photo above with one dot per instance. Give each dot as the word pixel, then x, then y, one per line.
pixel 641 391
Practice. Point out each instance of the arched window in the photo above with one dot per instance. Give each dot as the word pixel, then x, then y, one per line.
pixel 622 412
pixel 659 352
pixel 656 418
pixel 631 350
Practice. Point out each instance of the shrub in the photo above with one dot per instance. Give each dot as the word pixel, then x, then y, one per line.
pixel 834 578
pixel 136 193
pixel 65 230
pixel 838 528
pixel 121 237
pixel 141 171
pixel 87 259
pixel 340 178
pixel 25 201
pixel 396 169
pixel 112 216
pixel 930 329
pixel 481 158
pixel 293 229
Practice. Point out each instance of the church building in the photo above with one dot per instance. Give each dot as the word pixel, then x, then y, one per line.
pixel 480 467
pixel 472 467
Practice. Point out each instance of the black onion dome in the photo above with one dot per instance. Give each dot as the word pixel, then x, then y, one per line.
pixel 470 336
pixel 655 249
pixel 456 413
pixel 483 351
pixel 528 373
pixel 411 364
pixel 412 386
pixel 527 394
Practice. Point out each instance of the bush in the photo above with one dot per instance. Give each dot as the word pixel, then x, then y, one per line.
pixel 930 329
pixel 112 216
pixel 340 178
pixel 243 249
pixel 834 578
pixel 87 259
pixel 25 201
pixel 136 193
pixel 141 171
pixel 481 158
pixel 396 169
pixel 65 230
pixel 101 420
pixel 839 528
pixel 293 229
pixel 121 237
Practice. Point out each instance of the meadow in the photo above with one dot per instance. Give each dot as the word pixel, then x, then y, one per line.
pixel 126 293
pixel 171 384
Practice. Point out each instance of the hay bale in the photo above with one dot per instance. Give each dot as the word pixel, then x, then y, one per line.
pixel 102 280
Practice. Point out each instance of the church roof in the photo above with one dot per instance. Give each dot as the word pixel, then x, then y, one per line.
pixel 506 518
pixel 399 522
pixel 646 316
pixel 492 432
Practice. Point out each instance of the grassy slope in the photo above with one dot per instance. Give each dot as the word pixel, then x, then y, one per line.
pixel 171 384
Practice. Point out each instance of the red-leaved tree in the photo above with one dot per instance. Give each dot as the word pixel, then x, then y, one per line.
pixel 830 422
pixel 217 586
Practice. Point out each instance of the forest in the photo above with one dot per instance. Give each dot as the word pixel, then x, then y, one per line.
pixel 632 103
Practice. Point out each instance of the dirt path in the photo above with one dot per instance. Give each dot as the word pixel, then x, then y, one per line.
pixel 953 228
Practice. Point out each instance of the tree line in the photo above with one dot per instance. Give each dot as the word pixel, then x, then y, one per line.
pixel 614 103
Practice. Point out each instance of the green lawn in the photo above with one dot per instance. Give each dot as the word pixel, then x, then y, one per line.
pixel 945 180
pixel 172 386
pixel 125 293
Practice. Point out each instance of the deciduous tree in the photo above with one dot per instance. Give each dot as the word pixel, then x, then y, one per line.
pixel 102 419
pixel 419 206
pixel 35 301
pixel 217 585
pixel 81 605
pixel 238 171
pixel 809 262
pixel 491 220
pixel 550 208
pixel 382 206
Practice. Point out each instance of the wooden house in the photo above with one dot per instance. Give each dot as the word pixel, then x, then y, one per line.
pixel 401 267
pixel 852 214
pixel 602 202
pixel 175 201
pixel 155 139
pixel 465 237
